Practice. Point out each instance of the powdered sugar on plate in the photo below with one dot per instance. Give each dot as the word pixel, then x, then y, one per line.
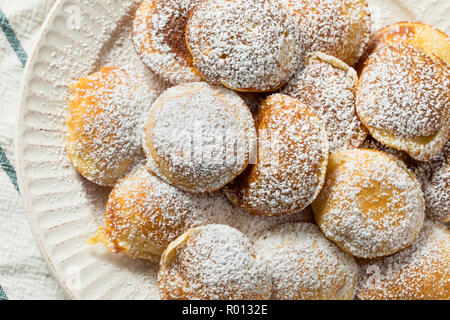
pixel 105 116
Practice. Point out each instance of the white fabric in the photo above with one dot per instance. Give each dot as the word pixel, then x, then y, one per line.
pixel 23 272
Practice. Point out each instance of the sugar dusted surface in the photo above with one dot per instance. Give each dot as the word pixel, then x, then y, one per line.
pixel 119 51
pixel 159 38
pixel 292 154
pixel 404 92
pixel 435 181
pixel 249 45
pixel 371 205
pixel 331 92
pixel 340 28
pixel 144 214
pixel 105 116
pixel 200 136
pixel 214 262
pixel 419 272
pixel 303 264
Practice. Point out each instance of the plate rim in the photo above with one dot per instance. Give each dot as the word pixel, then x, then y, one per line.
pixel 18 143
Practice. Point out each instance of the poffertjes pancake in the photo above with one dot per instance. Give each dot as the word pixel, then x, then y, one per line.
pixel 199 137
pixel 159 38
pixel 213 262
pixel 403 99
pixel 104 124
pixel 304 265
pixel 245 45
pixel 340 28
pixel 420 272
pixel 291 160
pixel 371 204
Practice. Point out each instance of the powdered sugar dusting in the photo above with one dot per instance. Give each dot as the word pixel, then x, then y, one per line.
pixel 305 265
pixel 328 86
pixel 144 214
pixel 340 28
pixel 213 262
pixel 405 92
pixel 119 51
pixel 248 45
pixel 104 122
pixel 199 136
pixel 291 178
pixel 435 180
pixel 159 38
pixel 417 273
pixel 371 205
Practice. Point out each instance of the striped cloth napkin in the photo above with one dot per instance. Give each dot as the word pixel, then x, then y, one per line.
pixel 23 272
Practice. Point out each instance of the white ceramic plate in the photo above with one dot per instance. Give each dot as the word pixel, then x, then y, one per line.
pixel 63 209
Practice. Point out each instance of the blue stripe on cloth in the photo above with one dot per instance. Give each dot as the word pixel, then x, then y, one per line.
pixel 23 57
pixel 8 168
pixel 3 294
pixel 12 38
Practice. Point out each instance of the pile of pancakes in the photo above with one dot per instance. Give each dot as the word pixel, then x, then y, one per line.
pixel 295 155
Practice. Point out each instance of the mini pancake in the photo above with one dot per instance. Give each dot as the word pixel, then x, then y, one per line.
pixel 199 137
pixel 159 38
pixel 429 39
pixel 104 121
pixel 304 265
pixel 328 86
pixel 340 28
pixel 245 45
pixel 291 160
pixel 403 98
pixel 420 272
pixel 144 214
pixel 371 205
pixel 213 262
